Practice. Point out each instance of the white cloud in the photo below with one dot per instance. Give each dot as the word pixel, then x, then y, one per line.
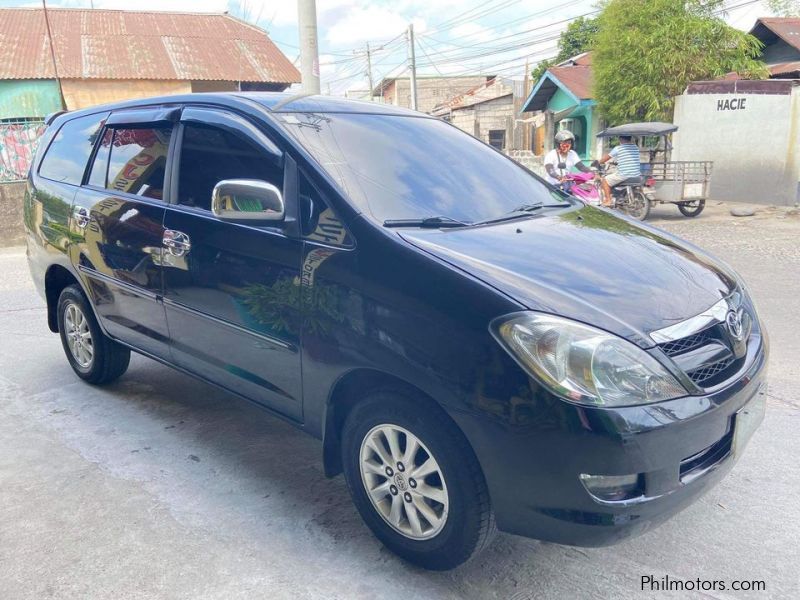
pixel 362 24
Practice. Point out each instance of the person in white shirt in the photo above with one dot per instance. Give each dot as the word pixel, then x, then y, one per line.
pixel 562 159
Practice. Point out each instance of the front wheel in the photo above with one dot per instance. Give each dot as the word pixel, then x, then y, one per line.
pixel 93 356
pixel 636 205
pixel 415 481
pixel 692 209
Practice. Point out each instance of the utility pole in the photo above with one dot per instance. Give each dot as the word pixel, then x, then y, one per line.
pixel 369 71
pixel 53 54
pixel 413 60
pixel 309 49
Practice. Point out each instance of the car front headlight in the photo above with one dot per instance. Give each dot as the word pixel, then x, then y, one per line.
pixel 583 364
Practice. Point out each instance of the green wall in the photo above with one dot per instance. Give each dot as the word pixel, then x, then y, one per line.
pixel 28 98
pixel 560 101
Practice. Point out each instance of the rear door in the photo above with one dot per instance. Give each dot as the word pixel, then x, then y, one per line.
pixel 232 291
pixel 117 220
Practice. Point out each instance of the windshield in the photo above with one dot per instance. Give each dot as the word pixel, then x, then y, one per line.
pixel 398 167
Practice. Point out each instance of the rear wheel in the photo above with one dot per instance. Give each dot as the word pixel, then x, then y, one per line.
pixel 636 205
pixel 692 209
pixel 92 355
pixel 416 481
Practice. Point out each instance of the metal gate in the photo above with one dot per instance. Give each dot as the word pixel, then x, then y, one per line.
pixel 18 141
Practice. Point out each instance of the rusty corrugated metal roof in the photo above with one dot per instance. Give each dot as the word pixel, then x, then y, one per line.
pixel 785 28
pixel 578 79
pixel 118 44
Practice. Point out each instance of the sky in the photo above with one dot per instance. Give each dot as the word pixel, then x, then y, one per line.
pixel 452 36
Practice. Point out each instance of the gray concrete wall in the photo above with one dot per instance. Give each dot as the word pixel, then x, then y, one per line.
pixel 480 119
pixel 430 90
pixel 754 147
pixel 11 229
pixel 497 114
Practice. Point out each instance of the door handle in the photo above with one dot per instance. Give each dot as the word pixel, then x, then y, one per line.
pixel 176 242
pixel 81 216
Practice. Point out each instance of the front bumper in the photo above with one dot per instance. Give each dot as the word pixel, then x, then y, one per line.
pixel 680 447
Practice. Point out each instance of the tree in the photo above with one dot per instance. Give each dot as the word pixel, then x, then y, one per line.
pixel 646 53
pixel 575 39
pixel 785 8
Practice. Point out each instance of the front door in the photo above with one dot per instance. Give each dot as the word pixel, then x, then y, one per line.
pixel 117 227
pixel 231 291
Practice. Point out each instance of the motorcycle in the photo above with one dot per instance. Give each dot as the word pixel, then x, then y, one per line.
pixel 632 197
pixel 583 186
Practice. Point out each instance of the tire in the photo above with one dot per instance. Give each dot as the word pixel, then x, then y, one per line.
pixel 461 521
pixel 692 209
pixel 93 356
pixel 639 208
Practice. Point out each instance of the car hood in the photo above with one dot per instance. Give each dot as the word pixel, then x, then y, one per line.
pixel 588 265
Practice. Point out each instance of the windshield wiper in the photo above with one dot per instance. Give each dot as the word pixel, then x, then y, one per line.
pixel 518 212
pixel 432 222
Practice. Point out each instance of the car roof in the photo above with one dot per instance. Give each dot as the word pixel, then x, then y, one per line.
pixel 278 102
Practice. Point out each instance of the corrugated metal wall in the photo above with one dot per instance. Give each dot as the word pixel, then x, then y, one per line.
pixel 20 99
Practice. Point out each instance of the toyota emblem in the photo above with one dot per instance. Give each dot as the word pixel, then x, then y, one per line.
pixel 734 322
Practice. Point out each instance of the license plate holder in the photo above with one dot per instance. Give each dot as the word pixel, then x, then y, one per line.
pixel 747 420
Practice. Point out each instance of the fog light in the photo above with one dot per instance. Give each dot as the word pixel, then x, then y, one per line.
pixel 610 488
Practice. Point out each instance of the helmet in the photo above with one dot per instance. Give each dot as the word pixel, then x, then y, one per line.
pixel 565 136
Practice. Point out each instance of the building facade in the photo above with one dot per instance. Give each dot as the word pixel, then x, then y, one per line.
pixel 562 99
pixel 431 91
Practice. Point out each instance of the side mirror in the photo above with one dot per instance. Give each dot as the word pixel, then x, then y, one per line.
pixel 562 166
pixel 247 201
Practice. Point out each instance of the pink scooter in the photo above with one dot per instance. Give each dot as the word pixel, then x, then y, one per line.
pixel 582 185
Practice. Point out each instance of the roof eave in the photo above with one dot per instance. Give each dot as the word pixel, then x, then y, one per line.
pixel 548 76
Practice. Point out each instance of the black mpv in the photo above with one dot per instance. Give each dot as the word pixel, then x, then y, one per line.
pixel 475 349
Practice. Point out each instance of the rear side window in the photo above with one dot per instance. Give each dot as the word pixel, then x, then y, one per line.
pixel 69 151
pixel 137 161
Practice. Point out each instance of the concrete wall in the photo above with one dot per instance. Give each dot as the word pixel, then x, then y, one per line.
pixel 755 148
pixel 480 119
pixel 12 232
pixel 430 90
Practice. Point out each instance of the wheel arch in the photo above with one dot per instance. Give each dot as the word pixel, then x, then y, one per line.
pixel 56 279
pixel 350 389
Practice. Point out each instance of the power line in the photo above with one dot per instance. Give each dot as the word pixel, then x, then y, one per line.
pixel 433 64
pixel 485 11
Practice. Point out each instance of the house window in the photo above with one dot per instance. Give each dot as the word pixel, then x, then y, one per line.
pixel 497 138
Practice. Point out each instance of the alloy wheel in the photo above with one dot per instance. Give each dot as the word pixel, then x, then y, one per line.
pixel 78 335
pixel 403 481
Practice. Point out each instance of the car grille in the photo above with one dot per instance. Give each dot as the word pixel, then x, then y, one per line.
pixel 703 374
pixel 684 344
pixel 711 356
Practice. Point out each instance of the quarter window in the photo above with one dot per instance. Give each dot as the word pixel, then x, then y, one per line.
pixel 317 220
pixel 210 155
pixel 69 151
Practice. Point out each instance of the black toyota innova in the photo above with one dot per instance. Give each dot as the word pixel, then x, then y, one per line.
pixel 476 350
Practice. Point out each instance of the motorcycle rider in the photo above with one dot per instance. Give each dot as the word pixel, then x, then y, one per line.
pixel 626 155
pixel 562 154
